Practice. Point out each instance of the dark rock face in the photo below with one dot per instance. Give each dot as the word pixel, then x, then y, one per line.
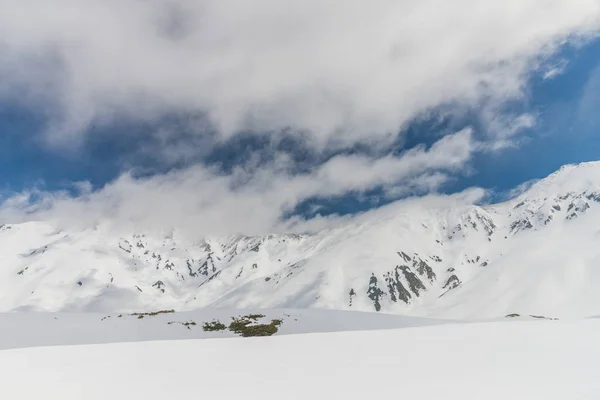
pixel 452 283
pixel 414 283
pixel 395 287
pixel 208 266
pixel 215 275
pixel 169 265
pixel 351 294
pixel 159 285
pixel 520 225
pixel 594 196
pixel 424 269
pixel 576 209
pixel 404 256
pixel 374 293
pixel 189 267
pixel 485 222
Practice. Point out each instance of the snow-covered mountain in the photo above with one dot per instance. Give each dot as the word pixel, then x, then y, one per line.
pixel 536 254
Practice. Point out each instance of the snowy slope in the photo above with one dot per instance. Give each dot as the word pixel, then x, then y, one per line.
pixel 60 329
pixel 433 257
pixel 543 360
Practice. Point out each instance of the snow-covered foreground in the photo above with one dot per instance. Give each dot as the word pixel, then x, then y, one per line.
pixel 505 360
pixel 423 257
pixel 55 329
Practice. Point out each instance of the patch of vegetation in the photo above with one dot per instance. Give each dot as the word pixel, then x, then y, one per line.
pixel 238 325
pixel 542 317
pixel 153 313
pixel 214 326
pixel 512 315
pixel 186 324
pixel 260 330
pixel 245 326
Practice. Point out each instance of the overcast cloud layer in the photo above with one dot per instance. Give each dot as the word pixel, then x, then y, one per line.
pixel 337 72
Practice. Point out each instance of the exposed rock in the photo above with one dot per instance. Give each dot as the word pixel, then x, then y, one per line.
pixel 374 293
pixel 159 285
pixel 452 283
pixel 189 267
pixel 208 266
pixel 414 283
pixel 595 196
pixel 395 287
pixel 520 225
pixel 424 269
pixel 404 256
pixel 436 258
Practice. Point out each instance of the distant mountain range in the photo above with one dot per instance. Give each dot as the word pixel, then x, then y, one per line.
pixel 538 254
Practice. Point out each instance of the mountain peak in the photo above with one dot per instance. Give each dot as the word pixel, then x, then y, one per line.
pixel 570 178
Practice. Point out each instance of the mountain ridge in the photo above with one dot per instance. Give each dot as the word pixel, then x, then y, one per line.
pixel 445 258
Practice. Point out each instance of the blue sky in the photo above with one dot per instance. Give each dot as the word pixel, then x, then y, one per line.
pixel 567 131
pixel 303 126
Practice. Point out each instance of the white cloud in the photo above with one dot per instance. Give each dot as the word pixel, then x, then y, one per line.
pixel 518 190
pixel 338 72
pixel 587 120
pixel 202 201
pixel 344 71
pixel 507 126
pixel 553 70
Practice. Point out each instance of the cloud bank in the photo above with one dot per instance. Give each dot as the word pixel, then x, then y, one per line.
pixel 202 201
pixel 339 73
pixel 342 71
